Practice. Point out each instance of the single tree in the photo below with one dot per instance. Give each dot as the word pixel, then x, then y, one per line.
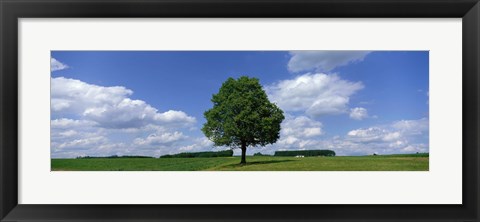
pixel 242 116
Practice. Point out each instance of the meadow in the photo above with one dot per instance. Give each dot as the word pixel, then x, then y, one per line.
pixel 408 162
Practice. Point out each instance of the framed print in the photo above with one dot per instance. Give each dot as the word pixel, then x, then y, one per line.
pixel 311 110
pixel 93 127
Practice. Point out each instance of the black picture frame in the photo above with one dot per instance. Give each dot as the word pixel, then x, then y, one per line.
pixel 12 10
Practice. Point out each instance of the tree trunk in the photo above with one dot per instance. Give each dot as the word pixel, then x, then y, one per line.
pixel 244 152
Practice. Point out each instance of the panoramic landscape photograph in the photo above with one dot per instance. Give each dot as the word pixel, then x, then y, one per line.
pixel 307 110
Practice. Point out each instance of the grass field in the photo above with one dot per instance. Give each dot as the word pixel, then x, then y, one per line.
pixel 411 162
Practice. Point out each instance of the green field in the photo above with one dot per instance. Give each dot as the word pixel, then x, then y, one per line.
pixel 412 162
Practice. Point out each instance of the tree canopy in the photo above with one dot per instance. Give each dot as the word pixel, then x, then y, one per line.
pixel 242 116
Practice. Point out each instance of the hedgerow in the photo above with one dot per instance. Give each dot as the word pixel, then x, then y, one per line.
pixel 305 153
pixel 223 153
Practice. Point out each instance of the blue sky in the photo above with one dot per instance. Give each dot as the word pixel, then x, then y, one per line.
pixel 152 102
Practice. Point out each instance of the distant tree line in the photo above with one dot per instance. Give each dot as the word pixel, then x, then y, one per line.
pixel 305 153
pixel 113 156
pixel 405 155
pixel 260 154
pixel 223 153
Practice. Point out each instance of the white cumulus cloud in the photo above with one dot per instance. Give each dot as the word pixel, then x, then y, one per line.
pixel 372 134
pixel 412 126
pixel 109 107
pixel 104 121
pixel 300 126
pixel 358 113
pixel 200 144
pixel 323 61
pixel 298 132
pixel 56 65
pixel 64 123
pixel 404 136
pixel 383 139
pixel 316 94
pixel 156 139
